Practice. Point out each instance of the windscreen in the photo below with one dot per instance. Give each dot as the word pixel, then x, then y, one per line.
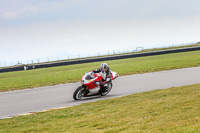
pixel 89 77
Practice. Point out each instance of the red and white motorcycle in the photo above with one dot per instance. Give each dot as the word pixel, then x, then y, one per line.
pixel 92 85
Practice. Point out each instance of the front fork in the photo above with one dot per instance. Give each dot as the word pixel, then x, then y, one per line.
pixel 86 90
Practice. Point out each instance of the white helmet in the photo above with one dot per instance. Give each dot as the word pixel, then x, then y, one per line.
pixel 104 66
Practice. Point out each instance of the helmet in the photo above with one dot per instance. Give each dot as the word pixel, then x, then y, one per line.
pixel 104 66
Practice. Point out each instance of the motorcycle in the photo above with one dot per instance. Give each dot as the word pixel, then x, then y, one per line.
pixel 92 84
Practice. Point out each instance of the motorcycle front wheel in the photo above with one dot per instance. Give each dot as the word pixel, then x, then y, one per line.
pixel 79 93
pixel 107 88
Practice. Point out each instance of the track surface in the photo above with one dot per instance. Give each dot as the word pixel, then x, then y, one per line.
pixel 19 102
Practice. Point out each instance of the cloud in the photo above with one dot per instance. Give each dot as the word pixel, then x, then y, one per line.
pixel 26 9
pixel 8 15
pixel 15 13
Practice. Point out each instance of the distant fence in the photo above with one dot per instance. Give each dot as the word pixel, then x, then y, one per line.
pixel 29 67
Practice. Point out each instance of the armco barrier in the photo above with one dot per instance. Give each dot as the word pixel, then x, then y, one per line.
pixel 29 67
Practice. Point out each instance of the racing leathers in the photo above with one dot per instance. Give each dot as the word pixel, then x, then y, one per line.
pixel 106 75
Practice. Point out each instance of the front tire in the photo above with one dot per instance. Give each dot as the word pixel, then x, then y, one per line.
pixel 79 93
pixel 108 88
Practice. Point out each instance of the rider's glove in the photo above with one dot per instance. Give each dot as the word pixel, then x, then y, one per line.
pixel 108 80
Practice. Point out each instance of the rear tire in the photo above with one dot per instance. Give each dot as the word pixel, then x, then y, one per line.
pixel 79 93
pixel 108 87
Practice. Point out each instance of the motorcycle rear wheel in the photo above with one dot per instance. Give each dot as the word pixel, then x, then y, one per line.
pixel 79 93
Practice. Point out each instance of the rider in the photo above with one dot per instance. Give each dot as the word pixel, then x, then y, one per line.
pixel 106 73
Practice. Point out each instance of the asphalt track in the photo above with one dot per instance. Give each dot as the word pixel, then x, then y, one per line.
pixel 20 102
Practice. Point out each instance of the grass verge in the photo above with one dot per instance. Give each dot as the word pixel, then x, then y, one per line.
pixel 72 73
pixel 169 110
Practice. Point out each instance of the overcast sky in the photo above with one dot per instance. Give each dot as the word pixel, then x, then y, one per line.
pixel 41 29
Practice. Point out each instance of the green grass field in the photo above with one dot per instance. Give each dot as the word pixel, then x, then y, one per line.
pixel 72 73
pixel 174 110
